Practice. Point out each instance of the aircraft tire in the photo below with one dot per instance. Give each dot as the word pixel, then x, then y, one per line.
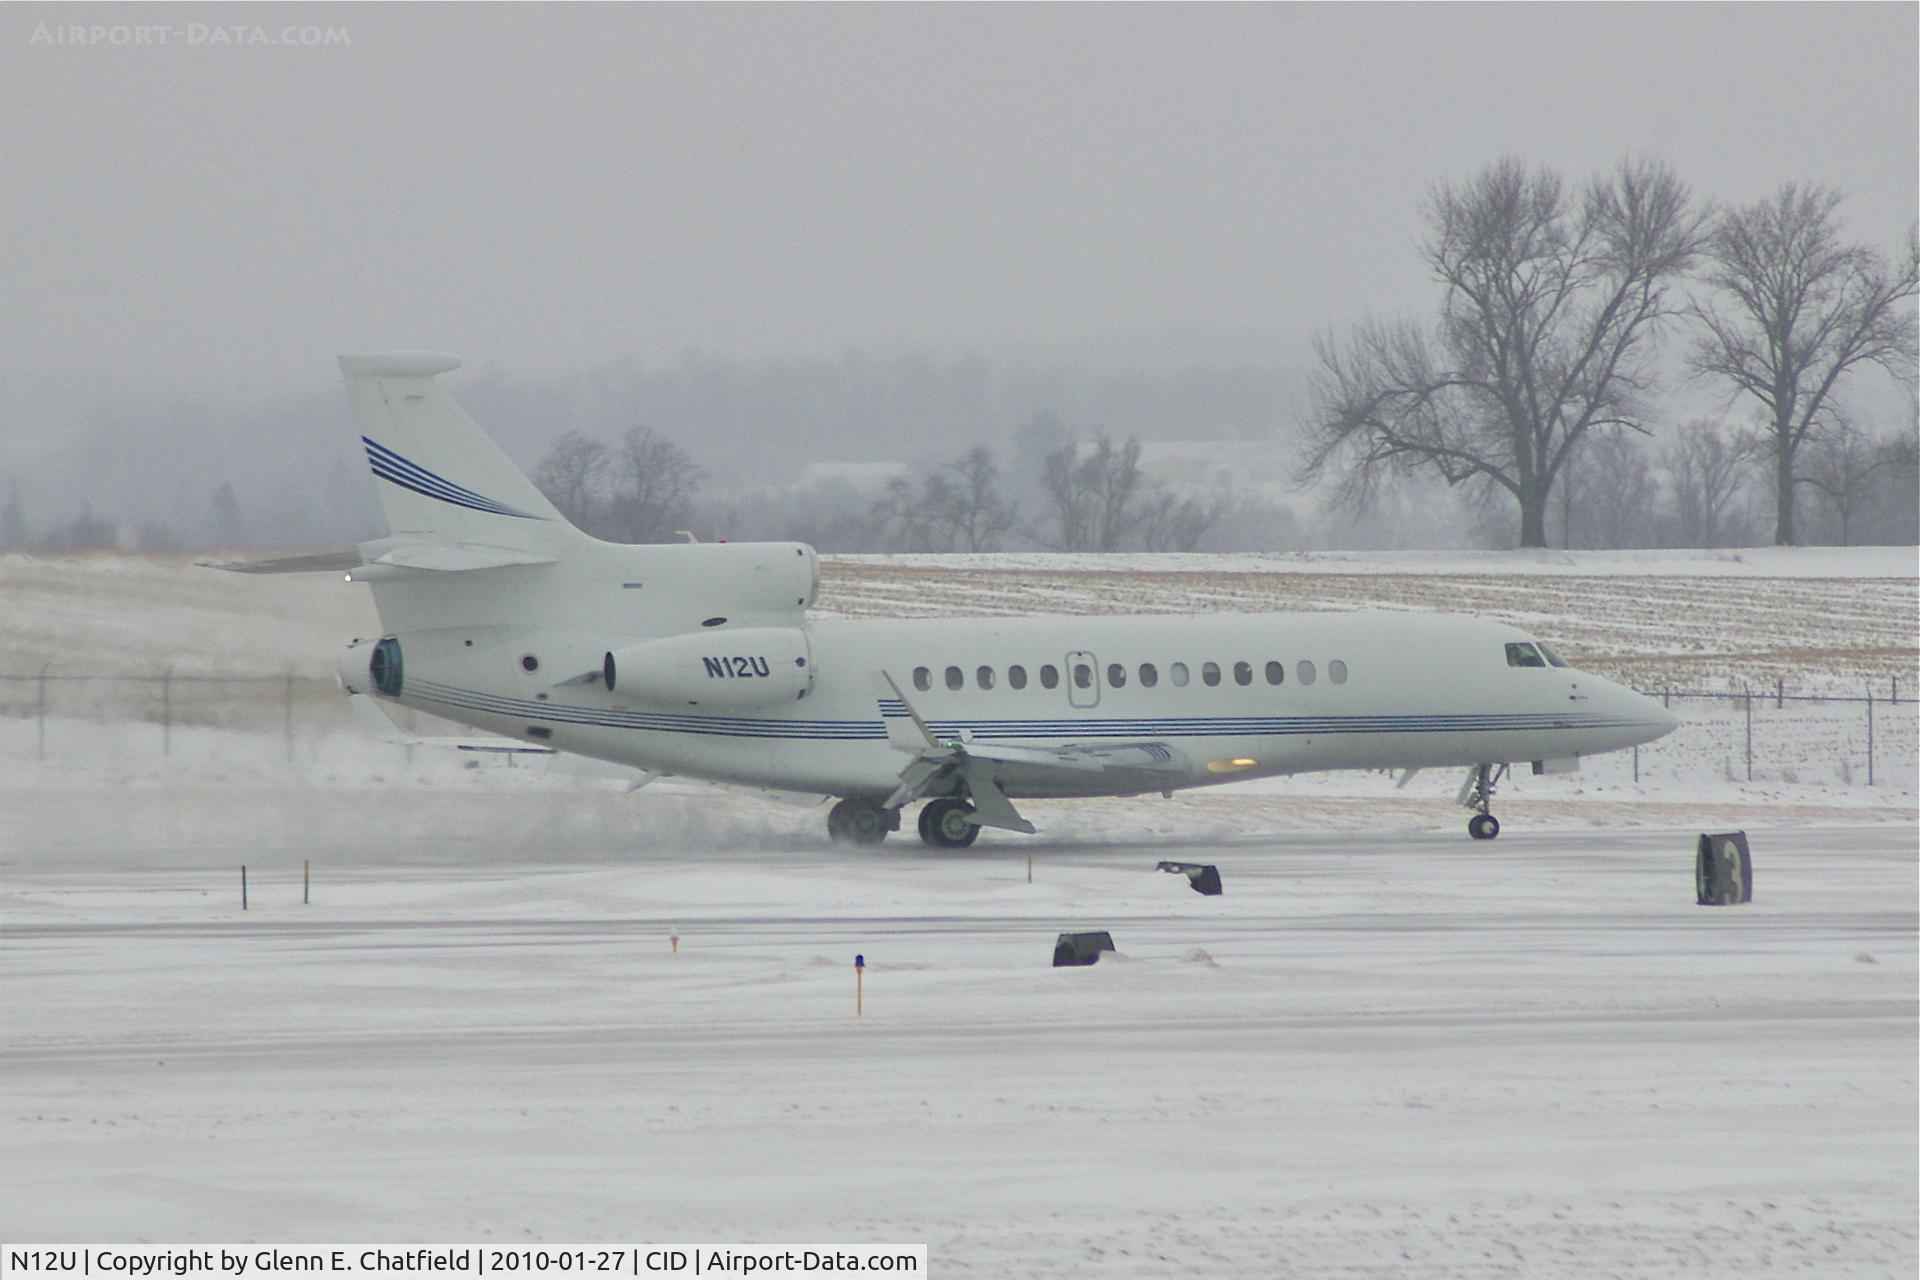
pixel 857 822
pixel 1483 826
pixel 944 825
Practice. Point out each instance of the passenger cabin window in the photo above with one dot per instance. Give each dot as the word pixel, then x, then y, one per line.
pixel 1017 677
pixel 1210 674
pixel 1116 676
pixel 1276 673
pixel 922 679
pixel 1082 675
pixel 1049 676
pixel 1178 671
pixel 1337 671
pixel 1149 677
pixel 956 678
pixel 1305 671
pixel 984 677
pixel 1520 654
pixel 1243 673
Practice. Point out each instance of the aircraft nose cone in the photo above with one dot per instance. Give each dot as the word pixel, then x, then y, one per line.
pixel 1664 720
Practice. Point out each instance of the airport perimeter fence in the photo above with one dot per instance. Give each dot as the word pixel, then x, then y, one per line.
pixel 1775 734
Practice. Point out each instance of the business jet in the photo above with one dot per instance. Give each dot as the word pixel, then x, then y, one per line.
pixel 701 660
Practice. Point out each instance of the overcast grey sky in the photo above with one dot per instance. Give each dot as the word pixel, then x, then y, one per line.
pixel 543 188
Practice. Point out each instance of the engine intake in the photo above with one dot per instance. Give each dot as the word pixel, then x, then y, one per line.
pixel 371 668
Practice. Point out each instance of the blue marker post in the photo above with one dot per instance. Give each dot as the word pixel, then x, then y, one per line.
pixel 859 983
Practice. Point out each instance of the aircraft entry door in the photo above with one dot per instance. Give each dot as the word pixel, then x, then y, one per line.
pixel 1083 679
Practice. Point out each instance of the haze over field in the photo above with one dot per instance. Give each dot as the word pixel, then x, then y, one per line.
pixel 795 234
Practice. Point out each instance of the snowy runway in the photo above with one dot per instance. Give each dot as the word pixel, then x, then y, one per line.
pixel 1402 1053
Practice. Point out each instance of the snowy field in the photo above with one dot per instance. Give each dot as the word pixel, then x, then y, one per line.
pixel 1386 1051
pixel 1817 617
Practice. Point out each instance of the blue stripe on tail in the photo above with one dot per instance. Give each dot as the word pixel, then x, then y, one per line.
pixel 391 467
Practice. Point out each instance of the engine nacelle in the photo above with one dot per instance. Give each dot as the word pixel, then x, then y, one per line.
pixel 369 667
pixel 754 583
pixel 739 670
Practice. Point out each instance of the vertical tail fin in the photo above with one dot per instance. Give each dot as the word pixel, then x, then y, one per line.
pixel 437 473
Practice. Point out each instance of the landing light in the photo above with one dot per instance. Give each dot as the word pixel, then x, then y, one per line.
pixel 1234 765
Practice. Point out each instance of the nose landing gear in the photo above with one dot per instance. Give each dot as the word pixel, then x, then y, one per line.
pixel 1477 793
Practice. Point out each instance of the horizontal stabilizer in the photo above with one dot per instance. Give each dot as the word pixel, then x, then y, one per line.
pixel 326 562
pixel 454 557
pixel 432 557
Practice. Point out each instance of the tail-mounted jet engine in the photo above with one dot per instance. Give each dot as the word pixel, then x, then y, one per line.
pixel 367 667
pixel 730 670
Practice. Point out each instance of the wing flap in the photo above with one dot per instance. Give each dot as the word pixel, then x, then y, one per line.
pixel 987 768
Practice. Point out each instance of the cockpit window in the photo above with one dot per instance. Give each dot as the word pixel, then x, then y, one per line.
pixel 1553 659
pixel 1521 654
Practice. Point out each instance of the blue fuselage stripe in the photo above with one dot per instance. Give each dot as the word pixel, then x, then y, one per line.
pixel 988 730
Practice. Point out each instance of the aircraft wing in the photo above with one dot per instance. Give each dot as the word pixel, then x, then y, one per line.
pixel 987 768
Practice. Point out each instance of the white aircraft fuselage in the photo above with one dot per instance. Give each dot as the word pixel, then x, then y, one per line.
pixel 1417 690
pixel 704 660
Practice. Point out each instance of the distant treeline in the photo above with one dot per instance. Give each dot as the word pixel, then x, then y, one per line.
pixel 1529 402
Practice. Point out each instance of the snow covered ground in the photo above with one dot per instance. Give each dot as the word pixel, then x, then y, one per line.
pixel 1837 617
pixel 1387 1050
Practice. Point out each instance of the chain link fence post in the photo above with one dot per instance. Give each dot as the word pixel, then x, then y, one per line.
pixel 1749 700
pixel 40 750
pixel 1869 735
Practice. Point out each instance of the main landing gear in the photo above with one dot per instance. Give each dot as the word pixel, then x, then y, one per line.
pixel 944 823
pixel 861 822
pixel 1477 793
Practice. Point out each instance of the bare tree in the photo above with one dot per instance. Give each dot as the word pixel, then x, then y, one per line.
pixel 1845 465
pixel 975 514
pixel 1620 505
pixel 905 513
pixel 1552 299
pixel 1170 522
pixel 652 488
pixel 955 507
pixel 1707 468
pixel 1069 501
pixel 14 531
pixel 1899 522
pixel 1094 493
pixel 575 476
pixel 225 524
pixel 1798 309
pixel 85 532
